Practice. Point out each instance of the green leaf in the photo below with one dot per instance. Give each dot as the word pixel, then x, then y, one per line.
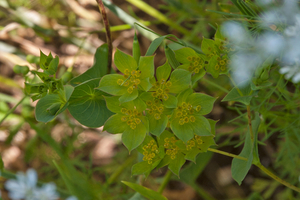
pixel 213 126
pixel 45 111
pixel 201 126
pixel 146 192
pixel 234 94
pixel 207 141
pixel 109 84
pixel 87 105
pixel 146 66
pixel 206 102
pixel 240 168
pixel 132 138
pixel 197 76
pixel 129 97
pixel 163 72
pixel 211 67
pixel 184 95
pixel 183 54
pixel 98 69
pixel 154 45
pixel 171 102
pixel 113 104
pixel 183 132
pixel 191 154
pixel 52 66
pixel 115 125
pixel 180 80
pixel 157 126
pixel 208 46
pixel 146 84
pixel 124 61
pixel 141 168
pixel 176 164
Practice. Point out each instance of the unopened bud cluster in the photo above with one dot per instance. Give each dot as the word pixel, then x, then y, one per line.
pixel 185 113
pixel 133 81
pixel 162 89
pixel 172 148
pixel 131 117
pixel 149 151
pixel 196 64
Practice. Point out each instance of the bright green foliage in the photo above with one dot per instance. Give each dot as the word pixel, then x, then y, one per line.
pixel 188 119
pixel 133 78
pixel 86 104
pixel 128 120
pixel 192 62
pixel 48 63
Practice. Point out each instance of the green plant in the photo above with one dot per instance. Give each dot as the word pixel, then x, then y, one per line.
pixel 164 117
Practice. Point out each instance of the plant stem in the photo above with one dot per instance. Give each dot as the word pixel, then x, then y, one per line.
pixel 165 182
pixel 108 34
pixel 12 110
pixel 215 85
pixel 269 173
pixel 250 123
pixel 117 173
pixel 227 154
pixel 235 85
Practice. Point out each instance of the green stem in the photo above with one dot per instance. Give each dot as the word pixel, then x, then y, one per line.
pixel 227 154
pixel 117 173
pixel 108 34
pixel 12 110
pixel 269 173
pixel 165 182
pixel 215 85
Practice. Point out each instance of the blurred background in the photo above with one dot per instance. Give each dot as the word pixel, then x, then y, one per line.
pixel 73 29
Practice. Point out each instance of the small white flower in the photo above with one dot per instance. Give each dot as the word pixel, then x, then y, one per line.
pixel 46 192
pixel 23 186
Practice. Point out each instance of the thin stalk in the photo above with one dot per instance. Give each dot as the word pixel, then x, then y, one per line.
pixel 269 173
pixel 165 182
pixel 12 110
pixel 250 123
pixel 227 154
pixel 215 85
pixel 117 173
pixel 108 34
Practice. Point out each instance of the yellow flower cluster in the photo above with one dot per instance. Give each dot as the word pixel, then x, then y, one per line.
pixel 185 113
pixel 195 142
pixel 133 82
pixel 161 89
pixel 171 147
pixel 221 64
pixel 149 151
pixel 155 108
pixel 131 117
pixel 196 63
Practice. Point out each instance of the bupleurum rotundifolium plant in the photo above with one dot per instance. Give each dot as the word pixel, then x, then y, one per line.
pixel 161 117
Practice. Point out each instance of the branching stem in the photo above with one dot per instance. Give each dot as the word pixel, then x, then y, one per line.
pixel 227 154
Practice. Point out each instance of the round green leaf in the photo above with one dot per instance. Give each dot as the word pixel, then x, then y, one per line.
pixel 146 66
pixel 183 53
pixel 132 138
pixel 44 108
pixel 129 97
pixel 109 84
pixel 201 126
pixel 206 102
pixel 114 124
pixel 87 105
